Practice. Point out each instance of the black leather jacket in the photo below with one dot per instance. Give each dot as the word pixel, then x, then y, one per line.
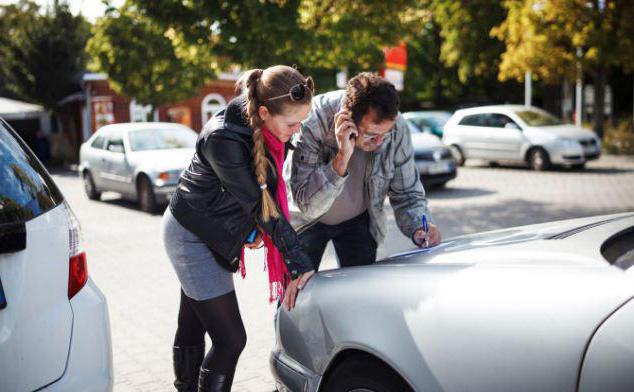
pixel 219 200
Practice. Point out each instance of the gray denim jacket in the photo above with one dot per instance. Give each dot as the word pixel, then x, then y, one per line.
pixel 390 172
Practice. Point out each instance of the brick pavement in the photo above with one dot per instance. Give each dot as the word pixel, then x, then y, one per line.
pixel 126 259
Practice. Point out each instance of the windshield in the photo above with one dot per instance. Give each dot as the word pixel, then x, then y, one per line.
pixel 535 118
pixel 162 139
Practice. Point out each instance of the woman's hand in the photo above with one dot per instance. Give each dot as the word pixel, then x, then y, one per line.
pixel 257 242
pixel 294 287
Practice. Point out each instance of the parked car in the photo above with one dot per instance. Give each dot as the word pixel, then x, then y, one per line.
pixel 141 161
pixel 429 120
pixel 547 307
pixel 521 134
pixel 54 324
pixel 434 160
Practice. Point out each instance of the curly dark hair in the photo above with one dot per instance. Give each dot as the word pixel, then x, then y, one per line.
pixel 369 90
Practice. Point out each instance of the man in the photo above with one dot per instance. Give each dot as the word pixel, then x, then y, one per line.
pixel 355 149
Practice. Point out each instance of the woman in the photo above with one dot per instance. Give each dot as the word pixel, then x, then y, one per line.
pixel 233 186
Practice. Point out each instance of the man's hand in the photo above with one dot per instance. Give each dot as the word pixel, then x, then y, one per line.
pixel 425 240
pixel 346 133
pixel 294 287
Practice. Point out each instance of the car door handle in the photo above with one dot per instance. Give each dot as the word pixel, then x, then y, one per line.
pixel 12 237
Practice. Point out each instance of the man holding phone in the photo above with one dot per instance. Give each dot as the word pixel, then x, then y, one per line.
pixel 355 149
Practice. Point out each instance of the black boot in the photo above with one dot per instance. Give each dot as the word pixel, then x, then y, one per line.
pixel 213 382
pixel 187 361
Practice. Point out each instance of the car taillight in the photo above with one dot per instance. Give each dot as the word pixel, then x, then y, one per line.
pixel 78 269
pixel 77 274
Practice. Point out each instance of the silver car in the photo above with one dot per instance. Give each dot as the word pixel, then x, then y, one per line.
pixel 520 134
pixel 433 159
pixel 141 161
pixel 547 307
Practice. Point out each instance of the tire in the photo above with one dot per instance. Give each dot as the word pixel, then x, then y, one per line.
pixel 364 375
pixel 145 195
pixel 457 154
pixel 538 159
pixel 89 186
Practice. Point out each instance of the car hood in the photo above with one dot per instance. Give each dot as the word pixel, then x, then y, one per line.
pixel 161 160
pixel 567 131
pixel 425 141
pixel 533 244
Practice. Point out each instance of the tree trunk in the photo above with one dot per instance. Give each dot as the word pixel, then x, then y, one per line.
pixel 599 102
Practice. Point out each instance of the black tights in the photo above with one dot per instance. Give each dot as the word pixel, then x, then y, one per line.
pixel 220 318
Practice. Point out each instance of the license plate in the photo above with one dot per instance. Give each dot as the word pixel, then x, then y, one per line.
pixel 3 299
pixel 440 167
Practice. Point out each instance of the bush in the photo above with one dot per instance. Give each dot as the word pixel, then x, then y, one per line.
pixel 620 140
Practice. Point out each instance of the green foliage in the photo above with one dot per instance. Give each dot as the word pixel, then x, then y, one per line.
pixel 145 60
pixel 42 54
pixel 620 140
pixel 464 27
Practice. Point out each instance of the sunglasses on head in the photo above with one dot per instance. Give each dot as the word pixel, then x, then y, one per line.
pixel 297 92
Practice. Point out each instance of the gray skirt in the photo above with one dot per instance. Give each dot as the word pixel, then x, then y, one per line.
pixel 201 277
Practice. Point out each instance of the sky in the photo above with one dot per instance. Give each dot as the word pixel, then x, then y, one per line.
pixel 91 9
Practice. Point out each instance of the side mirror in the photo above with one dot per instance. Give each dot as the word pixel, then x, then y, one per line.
pixel 512 125
pixel 116 148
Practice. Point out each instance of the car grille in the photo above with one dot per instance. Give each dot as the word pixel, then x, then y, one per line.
pixel 588 142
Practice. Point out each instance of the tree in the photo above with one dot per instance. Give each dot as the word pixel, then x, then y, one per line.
pixel 42 54
pixel 465 26
pixel 143 60
pixel 551 38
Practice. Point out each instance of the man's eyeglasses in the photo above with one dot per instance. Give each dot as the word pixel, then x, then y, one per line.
pixel 373 136
pixel 297 92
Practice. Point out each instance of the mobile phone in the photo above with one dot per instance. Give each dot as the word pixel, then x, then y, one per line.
pixel 252 236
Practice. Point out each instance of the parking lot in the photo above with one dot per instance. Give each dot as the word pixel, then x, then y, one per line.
pixel 126 258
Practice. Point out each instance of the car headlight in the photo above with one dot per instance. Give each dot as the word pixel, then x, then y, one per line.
pixel 568 143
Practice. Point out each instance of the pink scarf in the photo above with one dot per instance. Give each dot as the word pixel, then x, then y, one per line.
pixel 278 273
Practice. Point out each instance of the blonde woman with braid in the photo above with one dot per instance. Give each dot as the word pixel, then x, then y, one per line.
pixel 232 188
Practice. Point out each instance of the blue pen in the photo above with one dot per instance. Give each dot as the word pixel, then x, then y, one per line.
pixel 425 229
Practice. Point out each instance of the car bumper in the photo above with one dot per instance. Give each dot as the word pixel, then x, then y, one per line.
pixel 290 376
pixel 164 193
pixel 436 172
pixel 89 366
pixel 573 156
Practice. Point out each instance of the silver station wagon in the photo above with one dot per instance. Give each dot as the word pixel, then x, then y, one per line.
pixel 547 307
pixel 519 134
pixel 141 161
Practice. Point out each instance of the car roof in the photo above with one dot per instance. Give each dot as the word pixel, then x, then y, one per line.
pixel 494 108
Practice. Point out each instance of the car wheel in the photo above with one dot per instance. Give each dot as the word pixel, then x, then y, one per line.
pixel 89 187
pixel 359 375
pixel 146 197
pixel 538 159
pixel 457 154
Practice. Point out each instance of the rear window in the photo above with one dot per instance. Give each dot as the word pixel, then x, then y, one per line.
pixel 476 120
pixel 619 249
pixel 98 142
pixel 26 189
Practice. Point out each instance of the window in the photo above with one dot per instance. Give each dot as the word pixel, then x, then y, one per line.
pixel 162 139
pixel 538 118
pixel 115 144
pixel 26 189
pixel 210 105
pixel 98 142
pixel 142 113
pixel 497 120
pixel 475 120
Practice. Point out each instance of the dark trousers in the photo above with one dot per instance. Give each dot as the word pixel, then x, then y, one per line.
pixel 353 242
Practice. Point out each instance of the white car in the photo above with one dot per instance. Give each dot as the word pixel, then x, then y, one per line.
pixel 54 324
pixel 140 161
pixel 521 134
